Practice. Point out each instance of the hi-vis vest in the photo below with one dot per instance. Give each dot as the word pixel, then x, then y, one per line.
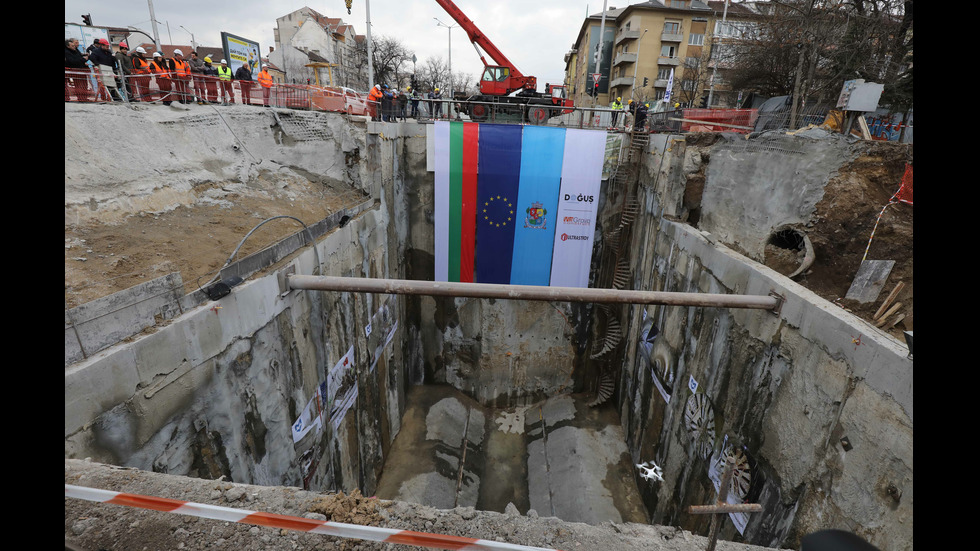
pixel 224 73
pixel 265 79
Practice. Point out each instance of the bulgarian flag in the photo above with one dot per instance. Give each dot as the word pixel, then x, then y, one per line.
pixel 498 202
pixel 457 153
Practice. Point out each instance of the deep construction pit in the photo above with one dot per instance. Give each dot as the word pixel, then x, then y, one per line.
pixel 213 389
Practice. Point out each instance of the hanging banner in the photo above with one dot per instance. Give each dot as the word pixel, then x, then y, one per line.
pixel 578 205
pixel 497 201
pixel 542 149
pixel 498 181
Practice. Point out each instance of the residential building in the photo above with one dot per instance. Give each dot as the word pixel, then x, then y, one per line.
pixel 648 46
pixel 311 47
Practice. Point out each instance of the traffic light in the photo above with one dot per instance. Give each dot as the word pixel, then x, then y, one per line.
pixel 87 19
pixel 645 81
pixel 704 101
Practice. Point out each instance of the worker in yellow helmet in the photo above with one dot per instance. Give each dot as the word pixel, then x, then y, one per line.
pixel 617 106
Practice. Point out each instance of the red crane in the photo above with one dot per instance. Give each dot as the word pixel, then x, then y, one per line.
pixel 505 83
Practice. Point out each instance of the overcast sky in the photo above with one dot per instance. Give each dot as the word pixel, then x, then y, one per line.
pixel 534 35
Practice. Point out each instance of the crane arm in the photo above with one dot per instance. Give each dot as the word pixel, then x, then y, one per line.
pixel 478 38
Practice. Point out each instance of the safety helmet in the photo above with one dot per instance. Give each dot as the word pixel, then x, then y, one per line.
pixel 157 54
pixel 437 89
pixel 408 88
pixel 178 52
pixel 103 41
pixel 140 50
pixel 123 45
pixel 223 62
pixel 631 101
pixel 378 86
pixel 647 104
pixel 619 99
pixel 677 105
pixel 264 66
pixel 207 59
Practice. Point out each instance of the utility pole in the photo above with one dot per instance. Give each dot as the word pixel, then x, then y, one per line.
pixel 450 27
pixel 598 53
pixel 367 9
pixel 637 64
pixel 153 19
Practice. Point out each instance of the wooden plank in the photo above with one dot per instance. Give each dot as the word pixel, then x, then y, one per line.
pixel 891 296
pixel 869 280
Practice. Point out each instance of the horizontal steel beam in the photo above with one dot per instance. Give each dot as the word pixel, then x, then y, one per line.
pixel 528 292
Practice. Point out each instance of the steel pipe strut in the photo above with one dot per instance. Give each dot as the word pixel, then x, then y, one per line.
pixel 527 292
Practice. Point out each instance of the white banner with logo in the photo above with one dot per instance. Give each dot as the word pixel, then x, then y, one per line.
pixel 578 205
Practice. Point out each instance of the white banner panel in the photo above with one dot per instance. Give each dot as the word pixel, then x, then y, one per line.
pixel 578 205
pixel 441 208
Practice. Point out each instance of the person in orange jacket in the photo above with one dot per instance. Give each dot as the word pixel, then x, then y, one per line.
pixel 265 81
pixel 374 101
pixel 161 71
pixel 141 75
pixel 181 76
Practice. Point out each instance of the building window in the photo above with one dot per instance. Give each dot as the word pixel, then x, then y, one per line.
pixel 672 27
pixel 695 40
pixel 677 4
pixel 663 74
pixel 687 85
pixel 668 51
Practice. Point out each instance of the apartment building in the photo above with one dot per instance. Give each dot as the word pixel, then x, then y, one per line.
pixel 648 49
pixel 307 41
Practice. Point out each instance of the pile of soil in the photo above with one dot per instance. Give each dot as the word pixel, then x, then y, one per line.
pixel 845 221
pixel 195 238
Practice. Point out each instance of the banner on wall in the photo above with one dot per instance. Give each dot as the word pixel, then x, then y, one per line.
pixel 498 202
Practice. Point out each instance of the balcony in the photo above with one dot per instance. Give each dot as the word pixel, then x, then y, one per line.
pixel 622 81
pixel 663 60
pixel 629 57
pixel 626 35
pixel 671 37
pixel 661 83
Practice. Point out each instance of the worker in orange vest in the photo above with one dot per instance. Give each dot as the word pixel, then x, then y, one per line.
pixel 265 80
pixel 161 71
pixel 374 101
pixel 181 76
pixel 141 75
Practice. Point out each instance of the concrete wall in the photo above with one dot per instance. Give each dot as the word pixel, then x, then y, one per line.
pixel 215 391
pixel 818 401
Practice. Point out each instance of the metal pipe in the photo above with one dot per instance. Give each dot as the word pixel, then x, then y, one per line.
pixel 528 292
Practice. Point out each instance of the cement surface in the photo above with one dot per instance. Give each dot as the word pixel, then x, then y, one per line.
pixel 110 527
pixel 564 459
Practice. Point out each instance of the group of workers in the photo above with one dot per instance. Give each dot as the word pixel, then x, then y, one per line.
pixel 178 79
pixel 389 104
pixel 637 109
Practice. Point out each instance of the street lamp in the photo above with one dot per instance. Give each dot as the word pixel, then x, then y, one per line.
pixel 636 63
pixel 449 112
pixel 193 43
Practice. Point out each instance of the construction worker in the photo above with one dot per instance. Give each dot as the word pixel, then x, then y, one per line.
pixel 415 97
pixel 161 71
pixel 209 76
pixel 124 66
pixel 641 116
pixel 265 81
pixel 374 101
pixel 224 84
pixel 181 72
pixel 617 106
pixel 197 73
pixel 435 107
pixel 141 75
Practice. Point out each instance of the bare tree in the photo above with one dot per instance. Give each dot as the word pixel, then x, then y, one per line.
pixel 808 48
pixel 389 56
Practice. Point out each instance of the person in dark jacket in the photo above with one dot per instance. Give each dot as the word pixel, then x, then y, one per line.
pixel 76 72
pixel 386 101
pixel 209 77
pixel 197 74
pixel 124 69
pixel 244 77
pixel 402 104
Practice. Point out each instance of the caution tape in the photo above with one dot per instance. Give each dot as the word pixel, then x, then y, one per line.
pixel 336 529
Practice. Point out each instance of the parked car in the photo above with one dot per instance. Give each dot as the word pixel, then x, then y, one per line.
pixel 355 103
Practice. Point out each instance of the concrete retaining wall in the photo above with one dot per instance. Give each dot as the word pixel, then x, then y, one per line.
pixel 817 401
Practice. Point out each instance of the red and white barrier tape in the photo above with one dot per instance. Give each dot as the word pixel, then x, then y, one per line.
pixel 337 529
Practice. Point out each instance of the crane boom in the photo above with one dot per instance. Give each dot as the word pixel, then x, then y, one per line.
pixel 476 36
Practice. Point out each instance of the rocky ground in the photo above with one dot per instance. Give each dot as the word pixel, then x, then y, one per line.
pixel 92 526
